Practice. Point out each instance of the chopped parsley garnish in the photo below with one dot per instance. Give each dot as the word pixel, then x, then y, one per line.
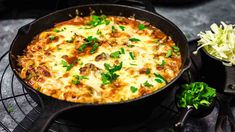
pixel 147 71
pixel 98 32
pixel 51 37
pixel 130 45
pixel 56 30
pixel 70 40
pixel 163 63
pixel 159 78
pixel 147 84
pixel 82 47
pixel 68 66
pixel 122 28
pixel 94 48
pixel 113 29
pixel 134 39
pixel 133 64
pixel 110 75
pixel 142 27
pixel 132 55
pixel 155 41
pixel 89 41
pixel 133 89
pixel 122 51
pixel 63 29
pixel 169 53
pixel 78 78
pixel 115 54
pixel 38 88
pixel 175 48
pixel 197 94
pixel 107 22
pixel 59 48
pixel 98 20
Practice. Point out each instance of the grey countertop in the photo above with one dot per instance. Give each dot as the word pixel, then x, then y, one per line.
pixel 190 19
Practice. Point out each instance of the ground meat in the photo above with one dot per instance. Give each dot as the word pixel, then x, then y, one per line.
pixel 100 57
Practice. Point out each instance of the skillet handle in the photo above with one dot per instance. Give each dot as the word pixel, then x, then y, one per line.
pixel 51 108
pixel 183 117
pixel 230 80
pixel 24 29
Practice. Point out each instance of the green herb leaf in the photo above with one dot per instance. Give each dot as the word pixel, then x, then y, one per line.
pixel 159 78
pixel 130 45
pixel 175 48
pixel 122 28
pixel 133 64
pixel 98 32
pixel 115 54
pixel 169 53
pixel 51 37
pixel 163 63
pixel 56 30
pixel 90 41
pixel 156 41
pixel 133 89
pixel 98 20
pixel 68 66
pixel 110 75
pixel 82 47
pixel 107 22
pixel 122 51
pixel 113 29
pixel 142 27
pixel 105 78
pixel 132 55
pixel 78 79
pixel 134 39
pixel 94 48
pixel 147 84
pixel 38 88
pixel 147 71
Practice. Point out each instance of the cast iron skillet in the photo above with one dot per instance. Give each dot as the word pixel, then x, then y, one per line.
pixel 95 113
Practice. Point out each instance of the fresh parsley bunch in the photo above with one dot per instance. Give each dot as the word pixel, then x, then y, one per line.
pixel 197 94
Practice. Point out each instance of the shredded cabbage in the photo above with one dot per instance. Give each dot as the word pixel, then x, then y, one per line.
pixel 219 42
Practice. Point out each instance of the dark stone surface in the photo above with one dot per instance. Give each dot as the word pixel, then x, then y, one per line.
pixel 191 20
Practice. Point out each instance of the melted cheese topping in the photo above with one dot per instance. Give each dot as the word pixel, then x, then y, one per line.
pixel 68 61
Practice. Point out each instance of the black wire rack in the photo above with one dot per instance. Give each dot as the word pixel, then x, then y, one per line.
pixel 18 111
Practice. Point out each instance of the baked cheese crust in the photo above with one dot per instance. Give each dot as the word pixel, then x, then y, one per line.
pixel 100 59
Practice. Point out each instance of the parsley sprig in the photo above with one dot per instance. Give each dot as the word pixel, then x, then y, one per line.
pixel 142 27
pixel 110 75
pixel 78 78
pixel 134 39
pixel 159 78
pixel 98 20
pixel 89 41
pixel 68 66
pixel 147 84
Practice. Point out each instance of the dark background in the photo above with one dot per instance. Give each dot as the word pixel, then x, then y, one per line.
pixel 15 9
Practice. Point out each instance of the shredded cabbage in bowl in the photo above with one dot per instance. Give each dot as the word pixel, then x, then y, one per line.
pixel 219 42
